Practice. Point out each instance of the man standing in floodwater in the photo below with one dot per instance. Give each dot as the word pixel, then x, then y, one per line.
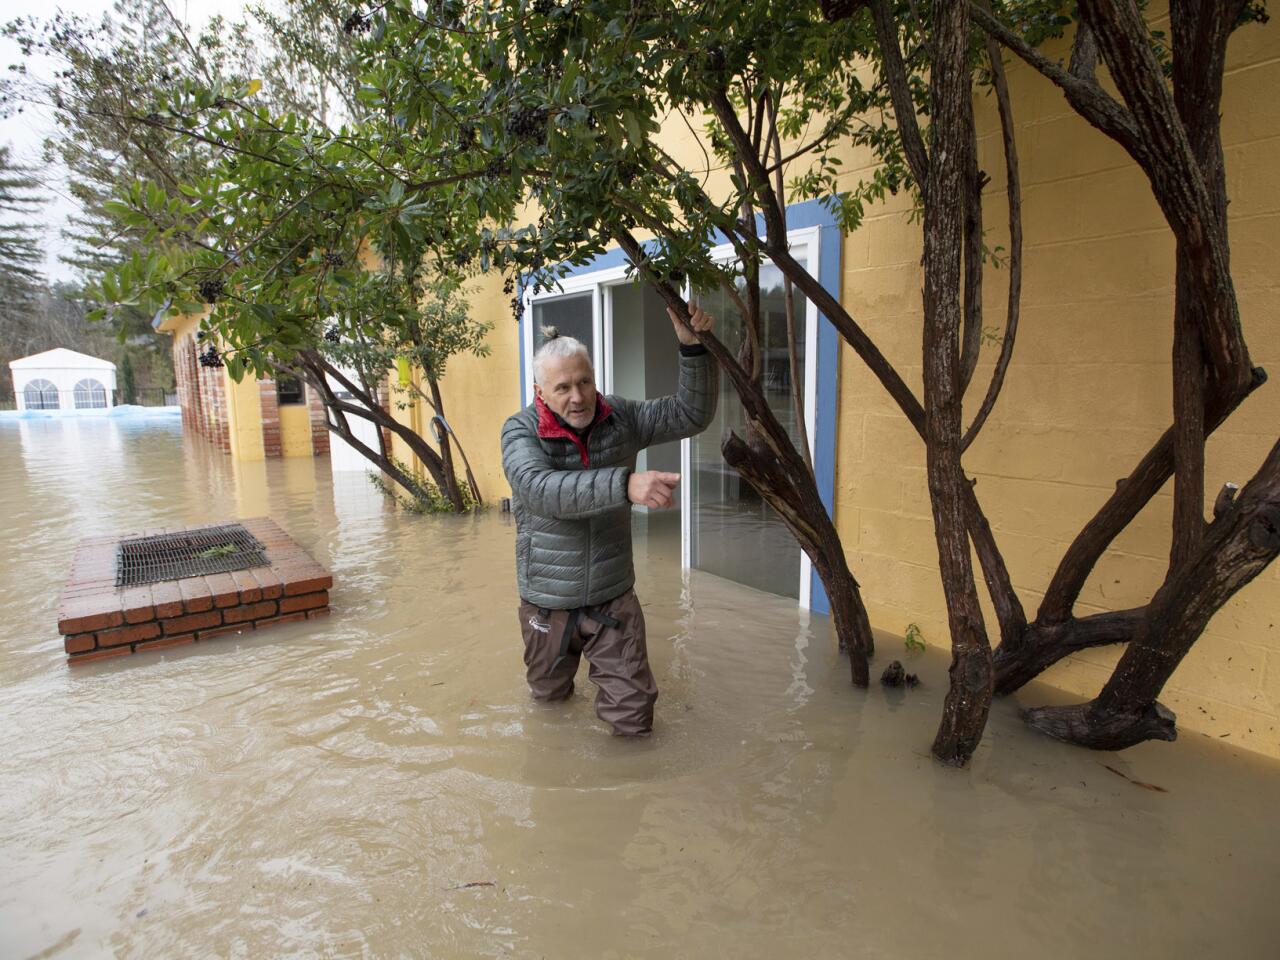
pixel 570 458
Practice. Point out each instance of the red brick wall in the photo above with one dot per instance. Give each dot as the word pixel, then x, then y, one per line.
pixel 201 394
pixel 270 406
pixel 319 428
pixel 97 620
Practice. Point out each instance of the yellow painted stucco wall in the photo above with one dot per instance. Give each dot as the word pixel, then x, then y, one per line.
pixel 1087 394
pixel 478 393
pixel 295 429
pixel 481 392
pixel 244 418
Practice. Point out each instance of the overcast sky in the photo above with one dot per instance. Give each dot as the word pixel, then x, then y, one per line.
pixel 26 131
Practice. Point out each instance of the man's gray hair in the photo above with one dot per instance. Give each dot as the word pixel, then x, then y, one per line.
pixel 556 347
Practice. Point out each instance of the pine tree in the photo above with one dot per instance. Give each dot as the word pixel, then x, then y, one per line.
pixel 20 250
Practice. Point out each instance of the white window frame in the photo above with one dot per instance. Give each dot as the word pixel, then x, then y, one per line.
pixel 803 242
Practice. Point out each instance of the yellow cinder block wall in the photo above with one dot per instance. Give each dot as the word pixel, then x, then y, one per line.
pixel 478 393
pixel 1088 391
pixel 481 392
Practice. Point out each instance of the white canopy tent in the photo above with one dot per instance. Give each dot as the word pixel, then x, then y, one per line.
pixel 62 379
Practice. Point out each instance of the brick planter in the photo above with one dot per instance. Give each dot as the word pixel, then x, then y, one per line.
pixel 99 619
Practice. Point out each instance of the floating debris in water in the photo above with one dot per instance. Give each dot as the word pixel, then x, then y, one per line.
pixel 1137 783
pixel 895 676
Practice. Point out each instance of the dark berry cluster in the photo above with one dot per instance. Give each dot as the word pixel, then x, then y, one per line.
pixel 332 258
pixel 527 123
pixel 210 357
pixel 357 22
pixel 211 289
pixel 543 7
pixel 497 167
pixel 332 335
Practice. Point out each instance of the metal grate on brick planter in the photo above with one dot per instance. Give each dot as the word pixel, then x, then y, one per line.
pixel 189 553
pixel 165 588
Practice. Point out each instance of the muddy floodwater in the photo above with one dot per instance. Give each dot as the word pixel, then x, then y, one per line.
pixel 378 784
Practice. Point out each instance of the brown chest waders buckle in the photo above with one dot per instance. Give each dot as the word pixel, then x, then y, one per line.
pixel 571 625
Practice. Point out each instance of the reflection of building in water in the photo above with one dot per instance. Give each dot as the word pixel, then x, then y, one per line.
pixel 47 443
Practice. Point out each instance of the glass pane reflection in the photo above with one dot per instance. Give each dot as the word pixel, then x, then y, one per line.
pixel 735 534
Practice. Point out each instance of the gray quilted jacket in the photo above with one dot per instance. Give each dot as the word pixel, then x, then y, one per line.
pixel 573 519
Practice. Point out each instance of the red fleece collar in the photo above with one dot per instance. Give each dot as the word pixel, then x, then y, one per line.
pixel 550 427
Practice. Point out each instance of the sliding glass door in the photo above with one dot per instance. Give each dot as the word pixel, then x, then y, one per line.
pixel 733 533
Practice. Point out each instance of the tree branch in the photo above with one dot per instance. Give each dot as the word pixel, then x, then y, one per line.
pixel 1013 191
pixel 904 108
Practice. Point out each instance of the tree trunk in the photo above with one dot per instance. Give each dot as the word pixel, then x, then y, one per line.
pixel 968 699
pixel 316 370
pixel 452 489
pixel 1208 562
pixel 794 496
pixel 1242 540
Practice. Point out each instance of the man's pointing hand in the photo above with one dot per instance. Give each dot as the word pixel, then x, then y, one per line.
pixel 652 488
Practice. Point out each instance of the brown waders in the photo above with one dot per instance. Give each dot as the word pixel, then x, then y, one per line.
pixel 611 635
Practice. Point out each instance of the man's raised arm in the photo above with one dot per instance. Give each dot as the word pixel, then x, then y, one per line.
pixel 692 407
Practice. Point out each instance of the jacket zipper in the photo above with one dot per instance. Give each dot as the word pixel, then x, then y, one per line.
pixel 591 522
pixel 587 579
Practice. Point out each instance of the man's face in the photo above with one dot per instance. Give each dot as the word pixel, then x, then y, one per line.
pixel 568 387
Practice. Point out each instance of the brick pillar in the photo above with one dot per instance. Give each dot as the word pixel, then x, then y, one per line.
pixel 186 372
pixel 202 395
pixel 216 427
pixel 269 403
pixel 319 427
pixel 206 375
pixel 180 381
pixel 222 407
pixel 206 400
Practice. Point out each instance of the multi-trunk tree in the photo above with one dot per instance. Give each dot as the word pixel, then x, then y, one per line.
pixel 308 249
pixel 1168 119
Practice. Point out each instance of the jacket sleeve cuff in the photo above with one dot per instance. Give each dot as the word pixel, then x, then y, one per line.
pixel 692 349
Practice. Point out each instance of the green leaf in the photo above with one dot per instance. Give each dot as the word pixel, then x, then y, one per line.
pixel 632 123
